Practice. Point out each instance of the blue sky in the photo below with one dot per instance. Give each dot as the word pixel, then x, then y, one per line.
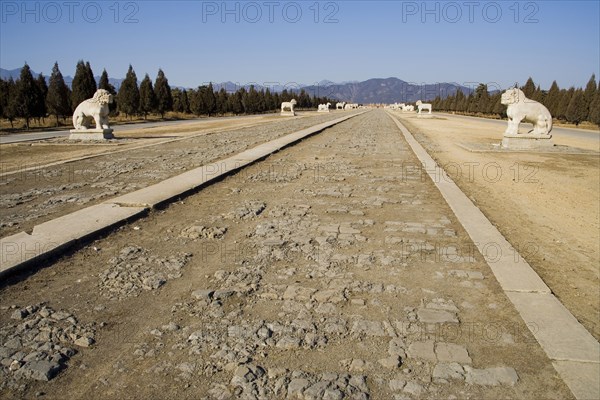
pixel 498 43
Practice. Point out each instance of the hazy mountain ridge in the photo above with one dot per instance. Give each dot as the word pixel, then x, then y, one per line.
pixel 376 90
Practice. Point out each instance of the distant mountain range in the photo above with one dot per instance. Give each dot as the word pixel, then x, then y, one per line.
pixel 377 90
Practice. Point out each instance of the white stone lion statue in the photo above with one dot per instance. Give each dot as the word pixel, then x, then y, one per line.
pixel 340 106
pixel 520 108
pixel 289 105
pixel 95 109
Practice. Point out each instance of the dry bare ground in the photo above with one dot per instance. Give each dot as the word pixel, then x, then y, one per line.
pixel 546 205
pixel 320 272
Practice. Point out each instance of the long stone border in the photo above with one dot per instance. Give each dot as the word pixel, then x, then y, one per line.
pixel 23 250
pixel 574 352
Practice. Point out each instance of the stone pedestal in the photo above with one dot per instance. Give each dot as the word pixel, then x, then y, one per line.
pixel 91 134
pixel 527 141
pixel 428 115
pixel 323 110
pixel 288 113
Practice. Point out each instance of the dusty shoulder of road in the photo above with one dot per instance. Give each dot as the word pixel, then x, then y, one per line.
pixel 546 205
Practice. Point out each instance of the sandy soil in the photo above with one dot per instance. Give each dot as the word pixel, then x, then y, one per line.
pixel 336 277
pixel 546 205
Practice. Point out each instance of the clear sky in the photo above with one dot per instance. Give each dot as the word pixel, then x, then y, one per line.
pixel 194 42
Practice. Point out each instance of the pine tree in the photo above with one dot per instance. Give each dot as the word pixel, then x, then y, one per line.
pixel 209 99
pixel 538 95
pixel 197 104
pixel 552 99
pixel 235 102
pixel 252 101
pixel 164 96
pixel 185 102
pixel 105 84
pixel 57 99
pixel 40 103
pixel 147 97
pixel 27 95
pixel 594 114
pixel 576 111
pixel 4 96
pixel 482 98
pixel 129 94
pixel 83 86
pixel 529 88
pixel 90 76
pixel 565 100
pixel 589 94
pixel 222 102
pixel 9 108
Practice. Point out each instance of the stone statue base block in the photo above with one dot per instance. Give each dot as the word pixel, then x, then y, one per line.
pixel 91 134
pixel 424 115
pixel 323 111
pixel 527 141
pixel 288 114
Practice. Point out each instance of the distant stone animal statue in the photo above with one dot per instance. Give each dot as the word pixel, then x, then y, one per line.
pixel 520 109
pixel 95 109
pixel 324 107
pixel 423 106
pixel 340 106
pixel 288 106
pixel 350 106
pixel 408 108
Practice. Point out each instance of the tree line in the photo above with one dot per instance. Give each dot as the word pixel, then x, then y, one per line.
pixel 31 98
pixel 570 105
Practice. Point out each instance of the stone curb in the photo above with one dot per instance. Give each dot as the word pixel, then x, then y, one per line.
pixel 24 250
pixel 574 352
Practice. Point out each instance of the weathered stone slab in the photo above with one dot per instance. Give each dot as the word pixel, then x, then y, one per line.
pixel 562 337
pixel 582 378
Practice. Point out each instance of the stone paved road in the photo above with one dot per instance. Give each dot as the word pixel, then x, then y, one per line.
pixel 330 270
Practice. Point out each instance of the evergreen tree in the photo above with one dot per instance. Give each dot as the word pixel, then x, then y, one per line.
pixel 9 108
pixel 176 94
pixel 529 88
pixel 83 86
pixel 106 85
pixel 4 97
pixel 129 94
pixel 40 106
pixel 481 94
pixel 538 95
pixel 251 101
pixel 164 96
pixel 185 102
pixel 90 76
pixel 576 111
pixel 565 100
pixel 269 101
pixel 57 99
pixel 147 96
pixel 594 114
pixel 552 99
pixel 589 94
pixel 27 95
pixel 209 100
pixel 222 102
pixel 197 104
pixel 235 102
